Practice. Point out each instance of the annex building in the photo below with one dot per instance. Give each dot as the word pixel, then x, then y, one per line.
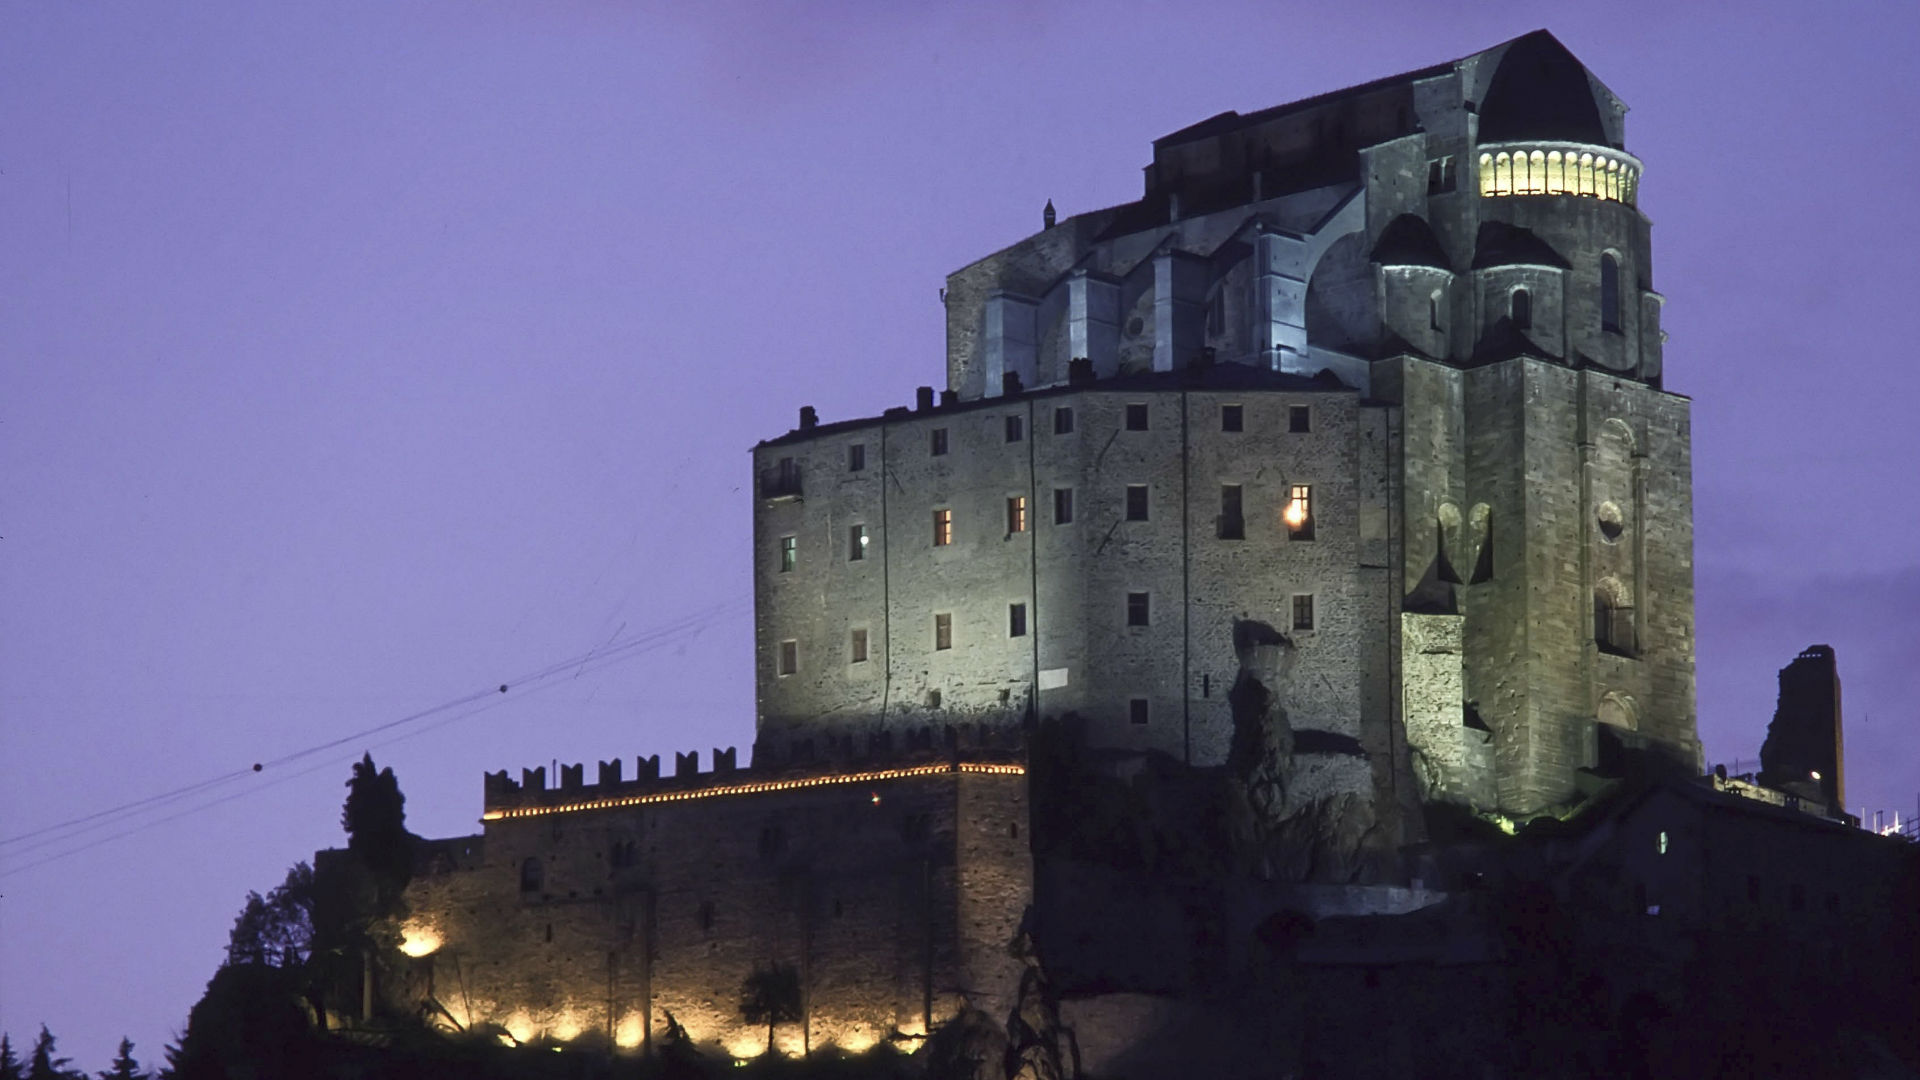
pixel 1329 485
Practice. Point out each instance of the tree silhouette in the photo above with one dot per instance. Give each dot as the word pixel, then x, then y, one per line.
pixel 276 929
pixel 124 1067
pixel 375 817
pixel 9 1061
pixel 45 1064
pixel 771 995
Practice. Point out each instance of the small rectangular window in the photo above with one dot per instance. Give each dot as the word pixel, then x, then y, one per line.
pixel 938 441
pixel 856 457
pixel 856 543
pixel 1137 416
pixel 1063 420
pixel 789 657
pixel 1232 418
pixel 1298 513
pixel 943 631
pixel 1233 524
pixel 1137 710
pixel 1017 514
pixel 857 647
pixel 1303 611
pixel 1016 620
pixel 1016 429
pixel 1136 502
pixel 789 553
pixel 1139 609
pixel 942 528
pixel 1299 419
pixel 1062 506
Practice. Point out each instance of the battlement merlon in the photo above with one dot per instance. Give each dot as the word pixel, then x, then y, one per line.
pixel 798 763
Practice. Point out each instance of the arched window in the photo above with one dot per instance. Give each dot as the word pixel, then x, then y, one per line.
pixel 1433 310
pixel 1585 184
pixel 532 875
pixel 1503 175
pixel 1537 174
pixel 1486 174
pixel 1609 293
pixel 1613 619
pixel 1520 309
pixel 1556 176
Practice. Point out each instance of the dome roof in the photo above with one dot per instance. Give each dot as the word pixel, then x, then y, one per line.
pixel 1540 91
pixel 1409 241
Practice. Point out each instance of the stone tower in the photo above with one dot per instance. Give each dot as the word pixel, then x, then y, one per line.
pixel 1375 376
pixel 1805 748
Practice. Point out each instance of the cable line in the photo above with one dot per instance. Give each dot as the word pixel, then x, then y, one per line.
pixel 601 656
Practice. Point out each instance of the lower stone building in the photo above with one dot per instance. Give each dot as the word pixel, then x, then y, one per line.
pixel 889 882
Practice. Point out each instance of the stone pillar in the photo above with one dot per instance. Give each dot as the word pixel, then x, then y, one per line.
pixel 1280 301
pixel 1179 308
pixel 1009 340
pixel 1093 321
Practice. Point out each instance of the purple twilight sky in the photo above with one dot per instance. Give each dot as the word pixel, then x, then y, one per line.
pixel 358 357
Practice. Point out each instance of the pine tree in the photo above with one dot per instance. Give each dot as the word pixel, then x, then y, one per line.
pixel 45 1064
pixel 771 995
pixel 375 818
pixel 124 1067
pixel 9 1061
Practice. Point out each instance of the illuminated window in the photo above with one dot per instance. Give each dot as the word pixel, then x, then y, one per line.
pixel 1609 293
pixel 1303 611
pixel 1232 418
pixel 1017 514
pixel 1137 710
pixel 856 543
pixel 1299 419
pixel 938 441
pixel 1232 524
pixel 1063 420
pixel 1520 308
pixel 943 631
pixel 1016 429
pixel 856 457
pixel 1016 620
pixel 1663 842
pixel 857 647
pixel 1298 513
pixel 1136 502
pixel 1139 609
pixel 789 553
pixel 789 657
pixel 942 528
pixel 1137 417
pixel 1062 506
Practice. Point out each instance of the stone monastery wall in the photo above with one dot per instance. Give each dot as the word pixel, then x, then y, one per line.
pixel 892 885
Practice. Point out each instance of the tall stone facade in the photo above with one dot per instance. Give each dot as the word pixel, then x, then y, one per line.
pixel 1418 314
pixel 1337 466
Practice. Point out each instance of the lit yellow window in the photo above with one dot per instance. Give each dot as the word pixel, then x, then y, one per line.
pixel 942 528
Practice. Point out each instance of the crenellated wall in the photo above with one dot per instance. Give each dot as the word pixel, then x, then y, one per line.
pixel 892 885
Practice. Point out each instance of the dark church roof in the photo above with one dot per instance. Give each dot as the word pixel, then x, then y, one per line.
pixel 1540 91
pixel 1501 244
pixel 1409 241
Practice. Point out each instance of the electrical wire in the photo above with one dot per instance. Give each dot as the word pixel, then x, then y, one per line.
pixel 614 651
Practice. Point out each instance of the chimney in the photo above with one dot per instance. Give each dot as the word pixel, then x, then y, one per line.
pixel 809 419
pixel 923 398
pixel 1047 214
pixel 949 398
pixel 1010 383
pixel 1080 370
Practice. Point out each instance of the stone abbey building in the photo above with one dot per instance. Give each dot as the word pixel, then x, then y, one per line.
pixel 1329 482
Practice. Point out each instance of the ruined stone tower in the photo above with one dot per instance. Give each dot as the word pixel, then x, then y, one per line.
pixel 1378 370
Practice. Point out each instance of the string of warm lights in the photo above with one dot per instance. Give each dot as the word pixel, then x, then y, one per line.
pixel 756 788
